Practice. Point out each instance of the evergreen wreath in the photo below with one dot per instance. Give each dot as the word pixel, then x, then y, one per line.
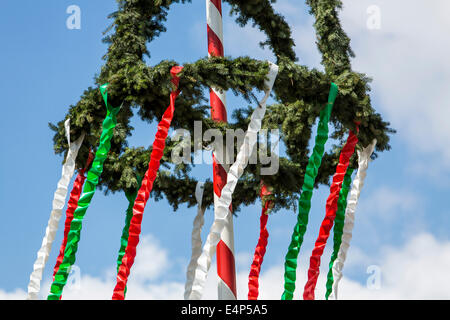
pixel 300 94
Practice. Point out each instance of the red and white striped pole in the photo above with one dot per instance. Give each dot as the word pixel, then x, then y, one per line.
pixel 226 269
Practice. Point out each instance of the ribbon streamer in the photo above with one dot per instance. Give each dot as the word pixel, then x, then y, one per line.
pixel 224 202
pixel 358 184
pixel 327 223
pixel 260 251
pixel 196 240
pixel 338 227
pixel 71 206
pixel 131 196
pixel 145 190
pixel 59 200
pixel 304 204
pixel 90 185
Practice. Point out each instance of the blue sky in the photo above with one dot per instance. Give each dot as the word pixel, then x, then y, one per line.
pixel 403 217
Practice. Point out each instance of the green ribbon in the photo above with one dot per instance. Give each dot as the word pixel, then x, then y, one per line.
pixel 90 185
pixel 339 227
pixel 312 169
pixel 131 196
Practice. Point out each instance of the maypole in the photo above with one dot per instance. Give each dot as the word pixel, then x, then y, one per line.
pixel 297 92
pixel 234 174
pixel 225 249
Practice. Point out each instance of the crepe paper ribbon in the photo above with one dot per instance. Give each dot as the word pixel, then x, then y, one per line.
pixel 358 184
pixel 196 239
pixel 330 215
pixel 145 190
pixel 224 202
pixel 59 200
pixel 71 206
pixel 131 196
pixel 338 228
pixel 90 185
pixel 260 251
pixel 304 203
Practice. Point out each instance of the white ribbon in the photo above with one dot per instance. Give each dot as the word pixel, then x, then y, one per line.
pixel 224 202
pixel 59 200
pixel 196 239
pixel 358 184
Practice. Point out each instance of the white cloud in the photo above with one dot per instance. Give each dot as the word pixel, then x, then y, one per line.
pixel 17 294
pixel 419 270
pixel 151 260
pixel 388 203
pixel 416 270
pixel 408 60
pixel 388 213
pixel 429 169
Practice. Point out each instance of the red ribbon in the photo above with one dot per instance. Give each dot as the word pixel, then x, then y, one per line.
pixel 145 190
pixel 260 251
pixel 331 209
pixel 71 207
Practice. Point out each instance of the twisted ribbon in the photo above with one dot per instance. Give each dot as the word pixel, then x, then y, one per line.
pixel 196 239
pixel 260 251
pixel 90 185
pixel 131 197
pixel 327 223
pixel 358 184
pixel 145 190
pixel 71 206
pixel 338 227
pixel 59 200
pixel 304 204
